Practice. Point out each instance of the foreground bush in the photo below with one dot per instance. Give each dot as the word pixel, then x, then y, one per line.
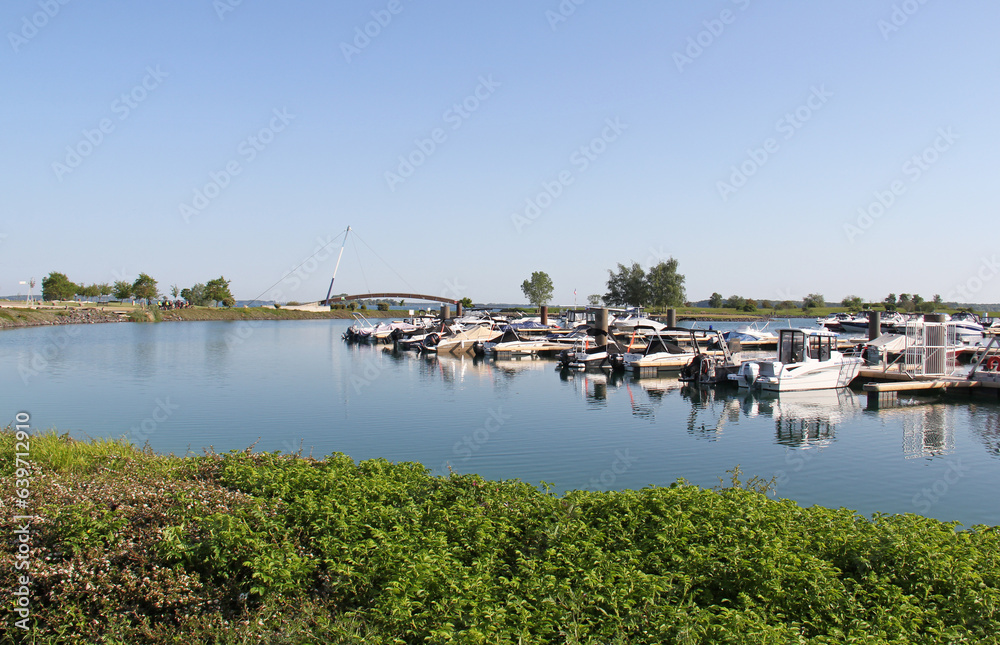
pixel 131 548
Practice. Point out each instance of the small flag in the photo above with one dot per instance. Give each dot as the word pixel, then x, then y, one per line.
pixel 574 290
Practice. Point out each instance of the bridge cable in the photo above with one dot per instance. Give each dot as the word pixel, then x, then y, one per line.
pixel 282 278
pixel 385 263
pixel 361 265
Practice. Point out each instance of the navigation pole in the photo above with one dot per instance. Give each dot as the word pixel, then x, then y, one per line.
pixel 339 255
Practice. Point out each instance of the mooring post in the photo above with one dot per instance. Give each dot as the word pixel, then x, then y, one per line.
pixel 671 317
pixel 445 313
pixel 458 309
pixel 544 313
pixel 874 325
pixel 601 324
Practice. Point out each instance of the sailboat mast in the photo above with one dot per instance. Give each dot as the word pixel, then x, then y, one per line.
pixel 339 255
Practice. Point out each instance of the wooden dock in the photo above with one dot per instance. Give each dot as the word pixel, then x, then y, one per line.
pixel 886 391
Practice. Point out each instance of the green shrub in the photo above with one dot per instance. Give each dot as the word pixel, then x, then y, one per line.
pixel 281 549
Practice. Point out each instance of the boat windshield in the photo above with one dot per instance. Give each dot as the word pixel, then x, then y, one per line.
pixel 820 347
pixel 792 345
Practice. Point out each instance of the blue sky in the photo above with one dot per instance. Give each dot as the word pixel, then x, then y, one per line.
pixel 774 149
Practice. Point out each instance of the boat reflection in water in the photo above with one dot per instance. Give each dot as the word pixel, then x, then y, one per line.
pixel 809 419
pixel 928 428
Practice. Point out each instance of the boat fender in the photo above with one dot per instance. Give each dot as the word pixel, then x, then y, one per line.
pixel 704 366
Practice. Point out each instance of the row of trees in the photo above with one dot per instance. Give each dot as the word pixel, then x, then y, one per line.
pixel 661 286
pixel 209 293
pixel 57 286
pixel 905 302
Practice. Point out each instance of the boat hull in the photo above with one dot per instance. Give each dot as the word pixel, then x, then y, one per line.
pixel 776 377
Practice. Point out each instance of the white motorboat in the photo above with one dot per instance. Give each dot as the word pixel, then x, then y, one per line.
pixel 833 321
pixel 751 333
pixel 660 354
pixel 511 345
pixel 807 360
pixel 968 328
pixel 635 320
pixel 585 354
pixel 461 342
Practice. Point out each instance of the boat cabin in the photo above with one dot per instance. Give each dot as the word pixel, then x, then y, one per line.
pixel 796 346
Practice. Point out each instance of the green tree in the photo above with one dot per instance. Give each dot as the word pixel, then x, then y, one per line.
pixel 56 286
pixel 594 299
pixel 105 290
pixel 852 302
pixel 538 290
pixel 628 287
pixel 665 287
pixel 122 290
pixel 890 302
pixel 736 302
pixel 174 291
pixel 465 302
pixel 89 291
pixel 144 288
pixel 715 301
pixel 217 290
pixel 785 305
pixel 937 299
pixel 813 300
pixel 750 305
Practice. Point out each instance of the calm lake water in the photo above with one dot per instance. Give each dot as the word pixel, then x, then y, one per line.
pixel 190 385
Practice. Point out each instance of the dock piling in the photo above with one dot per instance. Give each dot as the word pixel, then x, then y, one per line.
pixel 601 324
pixel 874 325
pixel 544 314
pixel 671 317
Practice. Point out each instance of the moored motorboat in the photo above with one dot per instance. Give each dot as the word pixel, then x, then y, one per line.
pixel 807 360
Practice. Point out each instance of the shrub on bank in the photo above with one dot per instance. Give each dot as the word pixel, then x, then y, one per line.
pixel 131 547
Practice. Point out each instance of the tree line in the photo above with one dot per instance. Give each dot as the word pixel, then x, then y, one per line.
pixel 630 286
pixel 57 286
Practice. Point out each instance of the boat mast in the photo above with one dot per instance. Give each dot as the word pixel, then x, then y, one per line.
pixel 339 255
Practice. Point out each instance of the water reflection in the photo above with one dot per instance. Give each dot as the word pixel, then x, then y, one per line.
pixel 802 420
pixel 989 431
pixel 810 419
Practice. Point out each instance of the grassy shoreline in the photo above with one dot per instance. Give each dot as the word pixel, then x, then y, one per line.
pixel 131 547
pixel 14 317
